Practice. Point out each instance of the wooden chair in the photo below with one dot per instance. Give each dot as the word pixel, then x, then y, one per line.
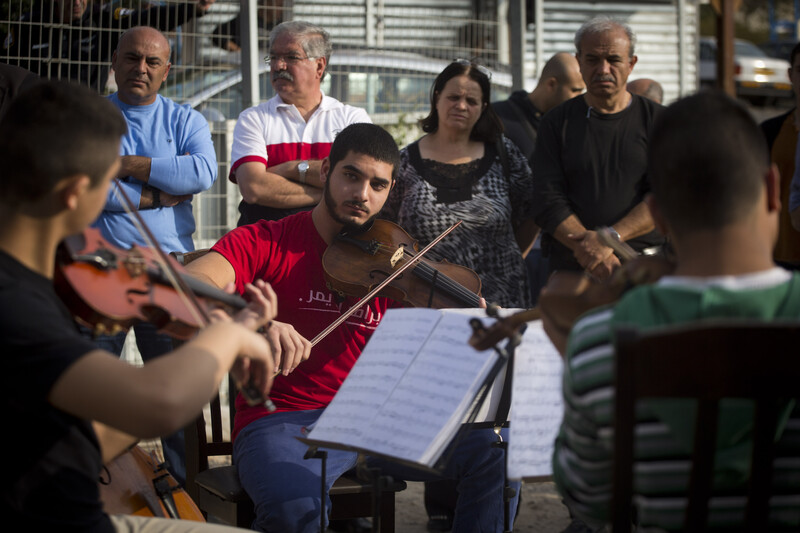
pixel 218 492
pixel 707 363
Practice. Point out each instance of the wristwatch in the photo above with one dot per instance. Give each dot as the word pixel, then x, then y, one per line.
pixel 302 169
pixel 156 197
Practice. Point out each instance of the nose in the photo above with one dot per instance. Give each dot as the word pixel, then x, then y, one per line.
pixel 605 66
pixel 361 191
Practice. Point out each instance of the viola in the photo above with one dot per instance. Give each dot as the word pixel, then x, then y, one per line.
pixel 356 262
pixel 110 289
pixel 568 295
pixel 136 483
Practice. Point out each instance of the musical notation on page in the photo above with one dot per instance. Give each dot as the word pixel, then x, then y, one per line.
pixel 411 388
pixel 536 405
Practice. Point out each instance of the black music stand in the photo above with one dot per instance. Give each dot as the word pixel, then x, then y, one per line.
pixel 504 359
pixel 501 416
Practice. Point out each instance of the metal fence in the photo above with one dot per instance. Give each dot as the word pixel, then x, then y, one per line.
pixel 386 54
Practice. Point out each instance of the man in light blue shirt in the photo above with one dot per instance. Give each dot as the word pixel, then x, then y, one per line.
pixel 167 154
pixel 167 157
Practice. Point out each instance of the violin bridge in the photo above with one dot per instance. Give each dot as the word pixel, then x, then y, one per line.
pixel 396 256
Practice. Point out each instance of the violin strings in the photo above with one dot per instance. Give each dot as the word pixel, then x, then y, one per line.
pixel 427 272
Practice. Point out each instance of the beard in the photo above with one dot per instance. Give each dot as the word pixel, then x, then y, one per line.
pixel 348 226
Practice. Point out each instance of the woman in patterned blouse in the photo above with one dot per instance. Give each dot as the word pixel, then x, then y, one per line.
pixel 465 169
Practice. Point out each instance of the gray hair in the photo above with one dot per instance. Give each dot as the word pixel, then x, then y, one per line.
pixel 316 42
pixel 602 25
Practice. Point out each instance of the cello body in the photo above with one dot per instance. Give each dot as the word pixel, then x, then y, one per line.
pixel 136 483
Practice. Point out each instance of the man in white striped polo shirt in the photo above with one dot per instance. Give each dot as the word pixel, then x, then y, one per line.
pixel 278 146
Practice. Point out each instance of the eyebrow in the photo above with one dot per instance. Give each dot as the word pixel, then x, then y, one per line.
pixel 358 171
pixel 606 56
pixel 137 55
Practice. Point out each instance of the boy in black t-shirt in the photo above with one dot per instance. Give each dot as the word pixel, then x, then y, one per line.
pixel 71 406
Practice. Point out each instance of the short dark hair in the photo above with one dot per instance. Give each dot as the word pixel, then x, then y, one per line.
pixel 795 51
pixel 365 139
pixel 488 127
pixel 52 131
pixel 706 162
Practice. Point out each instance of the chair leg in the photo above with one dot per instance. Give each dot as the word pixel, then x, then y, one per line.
pixel 387 512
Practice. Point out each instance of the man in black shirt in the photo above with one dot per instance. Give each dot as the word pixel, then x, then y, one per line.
pixel 589 167
pixel 66 40
pixel 521 113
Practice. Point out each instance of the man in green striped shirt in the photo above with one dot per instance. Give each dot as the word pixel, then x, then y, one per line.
pixel 716 197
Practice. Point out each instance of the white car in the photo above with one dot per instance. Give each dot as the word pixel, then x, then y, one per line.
pixel 390 86
pixel 758 77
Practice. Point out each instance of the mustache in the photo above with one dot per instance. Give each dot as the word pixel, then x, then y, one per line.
pixel 603 78
pixel 282 75
pixel 358 205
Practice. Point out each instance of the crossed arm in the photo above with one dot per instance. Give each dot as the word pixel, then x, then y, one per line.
pixel 279 186
pixel 597 259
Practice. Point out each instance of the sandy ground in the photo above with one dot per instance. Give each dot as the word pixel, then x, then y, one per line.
pixel 541 511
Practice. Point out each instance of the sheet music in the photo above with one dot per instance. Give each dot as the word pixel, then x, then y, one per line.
pixel 408 392
pixel 537 405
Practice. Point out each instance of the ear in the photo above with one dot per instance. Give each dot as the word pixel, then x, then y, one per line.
pixel 324 170
pixel 634 59
pixel 114 60
pixel 322 65
pixel 655 212
pixel 72 190
pixel 772 179
pixel 166 72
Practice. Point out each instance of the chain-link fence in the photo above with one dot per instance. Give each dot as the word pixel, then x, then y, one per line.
pixel 386 54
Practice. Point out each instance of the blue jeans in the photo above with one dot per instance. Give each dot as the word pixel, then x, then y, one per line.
pixel 152 344
pixel 286 488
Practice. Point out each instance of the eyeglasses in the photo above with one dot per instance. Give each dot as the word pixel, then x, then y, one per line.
pixel 480 68
pixel 288 59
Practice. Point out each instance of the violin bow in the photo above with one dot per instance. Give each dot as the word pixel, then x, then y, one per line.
pixel 414 259
pixel 188 296
pixel 252 396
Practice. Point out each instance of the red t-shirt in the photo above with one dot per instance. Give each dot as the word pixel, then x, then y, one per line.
pixel 287 253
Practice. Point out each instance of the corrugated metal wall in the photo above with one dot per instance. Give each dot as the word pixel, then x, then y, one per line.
pixel 657 25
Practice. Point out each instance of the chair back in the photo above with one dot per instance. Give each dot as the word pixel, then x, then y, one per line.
pixel 201 444
pixel 706 363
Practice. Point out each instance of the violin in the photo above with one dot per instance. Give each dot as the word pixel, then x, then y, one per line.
pixel 109 289
pixel 136 483
pixel 356 262
pixel 568 295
